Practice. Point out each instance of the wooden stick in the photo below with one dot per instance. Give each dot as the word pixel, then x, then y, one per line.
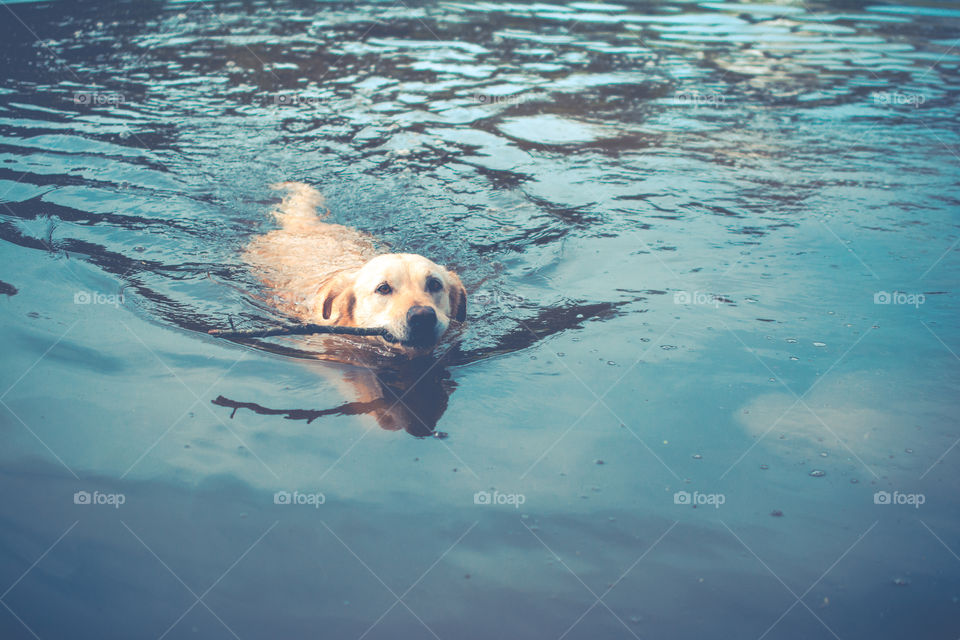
pixel 300 330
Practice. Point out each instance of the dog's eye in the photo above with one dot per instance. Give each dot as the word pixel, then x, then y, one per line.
pixel 434 285
pixel 384 289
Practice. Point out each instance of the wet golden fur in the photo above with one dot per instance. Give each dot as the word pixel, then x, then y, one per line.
pixel 327 273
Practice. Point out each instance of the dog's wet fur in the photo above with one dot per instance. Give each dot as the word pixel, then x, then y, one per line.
pixel 327 273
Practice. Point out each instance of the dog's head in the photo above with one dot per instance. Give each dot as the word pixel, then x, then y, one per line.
pixel 408 295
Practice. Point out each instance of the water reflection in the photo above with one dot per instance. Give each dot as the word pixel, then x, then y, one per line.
pixel 400 394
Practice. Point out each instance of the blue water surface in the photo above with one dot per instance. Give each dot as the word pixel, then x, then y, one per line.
pixel 708 386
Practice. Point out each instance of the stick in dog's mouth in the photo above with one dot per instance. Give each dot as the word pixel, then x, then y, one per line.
pixel 311 329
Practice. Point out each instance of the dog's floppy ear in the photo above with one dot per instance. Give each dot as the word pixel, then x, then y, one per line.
pixel 336 299
pixel 458 298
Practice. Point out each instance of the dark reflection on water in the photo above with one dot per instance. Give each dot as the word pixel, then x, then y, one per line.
pixel 409 395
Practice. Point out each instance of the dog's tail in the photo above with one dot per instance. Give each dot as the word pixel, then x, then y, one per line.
pixel 298 209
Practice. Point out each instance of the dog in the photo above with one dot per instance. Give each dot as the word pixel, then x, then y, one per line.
pixel 326 273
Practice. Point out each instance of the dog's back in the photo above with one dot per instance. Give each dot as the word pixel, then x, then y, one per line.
pixel 295 260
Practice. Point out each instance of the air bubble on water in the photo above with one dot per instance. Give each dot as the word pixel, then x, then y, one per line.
pixel 697 456
pixel 794 358
pixel 817 473
pixel 611 363
pixel 823 454
pixel 792 340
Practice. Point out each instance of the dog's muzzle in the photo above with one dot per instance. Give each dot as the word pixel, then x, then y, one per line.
pixel 421 326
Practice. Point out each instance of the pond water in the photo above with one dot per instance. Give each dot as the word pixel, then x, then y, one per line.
pixel 708 386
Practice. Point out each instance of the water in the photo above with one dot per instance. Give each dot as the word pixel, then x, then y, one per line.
pixel 706 243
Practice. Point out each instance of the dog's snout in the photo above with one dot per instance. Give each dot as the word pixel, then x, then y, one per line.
pixel 421 317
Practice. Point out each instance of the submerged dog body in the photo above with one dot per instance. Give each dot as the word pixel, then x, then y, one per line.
pixel 326 273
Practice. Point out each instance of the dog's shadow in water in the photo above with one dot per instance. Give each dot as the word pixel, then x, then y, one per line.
pixel 409 395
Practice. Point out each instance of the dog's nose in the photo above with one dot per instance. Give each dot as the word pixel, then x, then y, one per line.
pixel 420 318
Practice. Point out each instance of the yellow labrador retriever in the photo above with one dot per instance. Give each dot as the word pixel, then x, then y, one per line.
pixel 326 273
